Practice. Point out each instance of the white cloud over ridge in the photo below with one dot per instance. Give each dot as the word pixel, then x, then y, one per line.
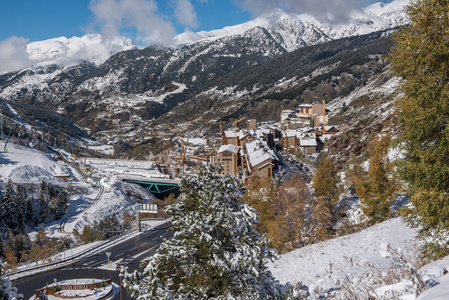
pixel 330 11
pixel 151 27
pixel 13 54
pixel 185 13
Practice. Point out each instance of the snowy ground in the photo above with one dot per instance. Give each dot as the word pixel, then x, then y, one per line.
pixel 83 209
pixel 26 165
pixel 122 168
pixel 363 262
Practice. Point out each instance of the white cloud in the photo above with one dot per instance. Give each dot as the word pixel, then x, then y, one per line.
pixel 185 13
pixel 143 15
pixel 331 11
pixel 13 54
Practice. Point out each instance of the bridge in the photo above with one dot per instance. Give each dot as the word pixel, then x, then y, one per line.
pixel 160 187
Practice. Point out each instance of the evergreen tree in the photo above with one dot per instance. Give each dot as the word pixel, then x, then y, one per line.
pixel 421 57
pixel 108 227
pixel 377 189
pixel 326 185
pixel 215 252
pixel 3 215
pixel 12 210
pixel 7 291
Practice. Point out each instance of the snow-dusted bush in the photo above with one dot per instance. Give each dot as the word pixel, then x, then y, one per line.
pixel 215 252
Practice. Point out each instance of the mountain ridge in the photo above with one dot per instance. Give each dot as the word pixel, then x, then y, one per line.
pixel 133 87
pixel 294 31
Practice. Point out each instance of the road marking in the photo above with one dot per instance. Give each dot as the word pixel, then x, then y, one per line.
pixel 89 263
pixel 140 254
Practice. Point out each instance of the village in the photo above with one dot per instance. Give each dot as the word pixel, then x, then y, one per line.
pixel 259 149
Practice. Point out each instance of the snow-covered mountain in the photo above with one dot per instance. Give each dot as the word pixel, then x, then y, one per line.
pixel 93 48
pixel 240 63
pixel 293 31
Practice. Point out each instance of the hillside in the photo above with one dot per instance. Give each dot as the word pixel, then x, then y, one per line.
pixel 249 68
pixel 43 200
pixel 380 262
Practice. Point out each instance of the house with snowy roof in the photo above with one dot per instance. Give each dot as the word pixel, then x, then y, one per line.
pixel 229 137
pixel 290 140
pixel 251 124
pixel 308 144
pixel 258 160
pixel 226 156
pixel 287 114
pixel 305 111
pixel 303 139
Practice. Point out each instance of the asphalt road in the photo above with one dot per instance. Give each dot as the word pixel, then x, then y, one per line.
pixel 130 253
pixel 291 169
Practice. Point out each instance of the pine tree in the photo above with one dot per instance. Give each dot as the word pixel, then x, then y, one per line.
pixel 12 210
pixel 215 252
pixel 7 291
pixel 421 57
pixel 378 189
pixel 326 185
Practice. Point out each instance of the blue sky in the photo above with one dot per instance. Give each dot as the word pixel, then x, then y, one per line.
pixel 144 21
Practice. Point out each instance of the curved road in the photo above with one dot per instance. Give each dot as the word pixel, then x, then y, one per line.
pixel 130 253
pixel 64 221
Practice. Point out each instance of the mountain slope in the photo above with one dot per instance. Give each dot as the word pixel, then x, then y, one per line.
pixel 92 48
pixel 236 71
pixel 295 31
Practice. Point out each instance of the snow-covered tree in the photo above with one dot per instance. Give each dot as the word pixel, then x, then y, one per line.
pixel 7 291
pixel 215 252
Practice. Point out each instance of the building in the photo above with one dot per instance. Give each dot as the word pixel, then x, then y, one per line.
pixel 305 112
pixel 290 140
pixel 258 160
pixel 226 156
pixel 252 124
pixel 287 114
pixel 308 144
pixel 303 139
pixel 229 137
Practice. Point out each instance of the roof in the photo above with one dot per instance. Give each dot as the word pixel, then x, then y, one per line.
pixel 258 152
pixel 231 134
pixel 287 112
pixel 326 137
pixel 308 142
pixel 260 156
pixel 232 148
